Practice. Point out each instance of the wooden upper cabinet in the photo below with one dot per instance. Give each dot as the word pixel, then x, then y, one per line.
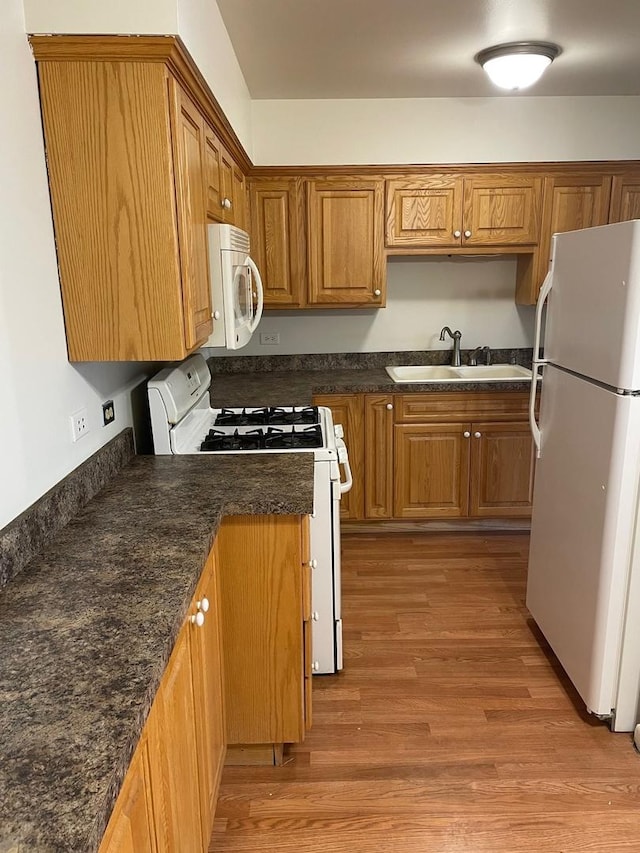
pixel 570 202
pixel 124 147
pixel 214 190
pixel 345 251
pixel 424 213
pixel 189 138
pixel 277 240
pixel 625 198
pixel 224 183
pixel 454 211
pixel 501 210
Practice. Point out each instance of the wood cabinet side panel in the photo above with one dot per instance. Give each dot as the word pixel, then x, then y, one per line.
pixel 260 571
pixel 348 410
pixel 109 156
pixel 131 826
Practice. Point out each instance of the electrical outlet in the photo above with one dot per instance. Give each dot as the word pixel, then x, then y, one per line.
pixel 108 413
pixel 269 338
pixel 79 424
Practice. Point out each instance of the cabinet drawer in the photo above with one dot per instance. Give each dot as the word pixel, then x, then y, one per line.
pixel 446 406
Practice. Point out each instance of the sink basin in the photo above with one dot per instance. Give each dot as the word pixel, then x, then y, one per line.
pixel 445 373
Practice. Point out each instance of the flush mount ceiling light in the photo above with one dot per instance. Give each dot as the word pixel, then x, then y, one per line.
pixel 518 64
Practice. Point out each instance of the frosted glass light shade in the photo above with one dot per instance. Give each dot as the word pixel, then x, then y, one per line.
pixel 517 65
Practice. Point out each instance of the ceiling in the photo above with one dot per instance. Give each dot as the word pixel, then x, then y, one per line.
pixel 425 48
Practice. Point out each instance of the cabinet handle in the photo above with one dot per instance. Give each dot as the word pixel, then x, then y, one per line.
pixel 456 233
pixel 203 605
pixel 477 434
pixel 377 292
pixel 198 619
pixel 467 233
pixel 466 434
pixel 389 406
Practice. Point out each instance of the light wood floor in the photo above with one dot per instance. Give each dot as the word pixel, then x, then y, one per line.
pixel 452 727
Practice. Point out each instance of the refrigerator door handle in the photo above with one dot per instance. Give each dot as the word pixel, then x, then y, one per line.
pixel 538 362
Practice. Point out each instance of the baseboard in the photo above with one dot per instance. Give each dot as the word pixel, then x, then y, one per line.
pixel 454 525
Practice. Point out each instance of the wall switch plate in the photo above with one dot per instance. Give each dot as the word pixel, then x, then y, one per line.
pixel 79 424
pixel 269 338
pixel 108 413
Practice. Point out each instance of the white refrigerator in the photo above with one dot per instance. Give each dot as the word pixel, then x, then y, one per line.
pixel 583 586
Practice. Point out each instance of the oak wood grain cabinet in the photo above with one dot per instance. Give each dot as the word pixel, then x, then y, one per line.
pixel 378 456
pixel 348 410
pixel 225 187
pixel 277 240
pixel 345 253
pixel 125 146
pixel 267 657
pixel 452 211
pixel 167 800
pixel 571 201
pixel 462 455
pixel 625 198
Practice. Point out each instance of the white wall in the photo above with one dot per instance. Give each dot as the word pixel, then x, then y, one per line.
pixel 39 389
pixel 445 130
pixel 198 22
pixel 423 295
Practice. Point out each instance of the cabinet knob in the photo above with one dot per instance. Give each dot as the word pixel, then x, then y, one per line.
pixel 477 434
pixel 216 315
pixel 315 666
pixel 456 233
pixel 313 564
pixel 226 203
pixel 389 406
pixel 198 619
pixel 377 292
pixel 203 605
pixel 467 233
pixel 466 434
pixel 315 615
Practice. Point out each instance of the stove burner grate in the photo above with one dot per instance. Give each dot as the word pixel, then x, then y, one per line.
pixel 275 415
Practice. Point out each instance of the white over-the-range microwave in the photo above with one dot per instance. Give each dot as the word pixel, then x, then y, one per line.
pixel 236 287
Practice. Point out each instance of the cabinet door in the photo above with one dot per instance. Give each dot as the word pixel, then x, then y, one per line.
pixel 239 216
pixel 501 470
pixel 378 456
pixel 501 210
pixel 131 828
pixel 625 198
pixel 173 755
pixel 348 410
pixel 571 202
pixel 208 689
pixel 213 176
pixel 431 470
pixel 189 132
pixel 346 251
pixel 277 240
pixel 424 213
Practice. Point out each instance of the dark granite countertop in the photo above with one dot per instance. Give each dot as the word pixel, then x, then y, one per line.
pixel 86 630
pixel 297 387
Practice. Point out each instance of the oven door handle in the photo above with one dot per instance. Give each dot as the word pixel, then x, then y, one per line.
pixel 343 459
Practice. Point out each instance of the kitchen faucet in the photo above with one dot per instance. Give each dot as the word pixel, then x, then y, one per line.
pixel 455 337
pixel 473 356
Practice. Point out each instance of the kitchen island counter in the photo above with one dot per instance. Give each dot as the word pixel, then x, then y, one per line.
pixel 86 630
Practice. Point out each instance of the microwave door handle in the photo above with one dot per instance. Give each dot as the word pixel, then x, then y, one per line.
pixel 260 292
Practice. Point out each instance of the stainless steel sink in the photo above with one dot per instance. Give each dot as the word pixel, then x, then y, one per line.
pixel 444 373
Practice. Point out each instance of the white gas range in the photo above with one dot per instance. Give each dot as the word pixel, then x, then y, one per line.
pixel 183 422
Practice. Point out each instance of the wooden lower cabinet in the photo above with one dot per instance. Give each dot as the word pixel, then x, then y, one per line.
pixel 131 828
pixel 501 474
pixel 167 800
pixel 378 453
pixel 348 410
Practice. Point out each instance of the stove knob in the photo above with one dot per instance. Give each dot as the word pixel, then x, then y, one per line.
pixel 338 430
pixel 203 605
pixel 198 619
